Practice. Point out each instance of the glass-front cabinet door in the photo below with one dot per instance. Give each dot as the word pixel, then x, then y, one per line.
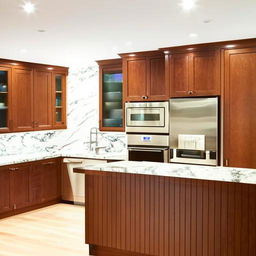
pixel 111 97
pixel 5 84
pixel 59 100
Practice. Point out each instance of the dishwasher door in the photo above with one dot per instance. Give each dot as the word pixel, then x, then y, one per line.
pixel 73 188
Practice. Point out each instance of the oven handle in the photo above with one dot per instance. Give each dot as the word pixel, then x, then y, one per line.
pixel 158 150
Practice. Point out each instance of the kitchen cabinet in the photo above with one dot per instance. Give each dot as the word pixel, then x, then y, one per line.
pixel 5 190
pixel 20 185
pixel 59 100
pixel 29 186
pixel 240 108
pixel 22 99
pixel 5 99
pixel 42 115
pixel 194 74
pixel 144 76
pixel 32 97
pixel 111 114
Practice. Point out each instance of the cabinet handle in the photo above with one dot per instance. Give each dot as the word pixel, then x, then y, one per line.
pixel 144 97
pixel 190 92
pixel 226 162
pixel 14 169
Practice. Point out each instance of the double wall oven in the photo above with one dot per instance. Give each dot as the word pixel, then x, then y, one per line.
pixel 147 128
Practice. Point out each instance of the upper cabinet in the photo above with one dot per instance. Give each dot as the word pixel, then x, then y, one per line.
pixel 240 108
pixel 144 76
pixel 22 99
pixel 194 74
pixel 59 100
pixel 32 96
pixel 111 95
pixel 5 98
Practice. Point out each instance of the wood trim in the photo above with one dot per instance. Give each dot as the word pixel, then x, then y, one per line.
pixel 236 44
pixel 142 54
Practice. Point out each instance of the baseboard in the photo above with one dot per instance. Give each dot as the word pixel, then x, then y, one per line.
pixel 29 208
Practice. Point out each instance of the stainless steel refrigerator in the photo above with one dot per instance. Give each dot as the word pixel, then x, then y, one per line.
pixel 194 130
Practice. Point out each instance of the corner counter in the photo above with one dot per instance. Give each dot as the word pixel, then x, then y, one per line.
pixel 146 208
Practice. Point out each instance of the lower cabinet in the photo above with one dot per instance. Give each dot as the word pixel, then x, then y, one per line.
pixel 28 185
pixel 5 190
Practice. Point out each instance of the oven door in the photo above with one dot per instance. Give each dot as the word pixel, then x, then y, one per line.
pixel 147 117
pixel 149 154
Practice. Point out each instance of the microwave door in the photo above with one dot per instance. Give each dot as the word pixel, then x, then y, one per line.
pixel 145 117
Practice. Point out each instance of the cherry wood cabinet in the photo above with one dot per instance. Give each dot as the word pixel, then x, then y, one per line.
pixel 32 96
pixel 5 98
pixel 22 99
pixel 42 115
pixel 29 186
pixel 144 76
pixel 240 108
pixel 59 100
pixel 194 74
pixel 111 107
pixel 20 185
pixel 5 190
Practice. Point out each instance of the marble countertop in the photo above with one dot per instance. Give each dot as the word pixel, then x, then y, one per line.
pixel 23 158
pixel 226 174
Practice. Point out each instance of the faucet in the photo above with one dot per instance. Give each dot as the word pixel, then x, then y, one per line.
pixel 93 131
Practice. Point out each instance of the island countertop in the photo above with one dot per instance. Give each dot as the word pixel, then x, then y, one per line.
pixel 226 174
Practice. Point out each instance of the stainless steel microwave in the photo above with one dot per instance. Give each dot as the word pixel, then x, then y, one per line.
pixel 147 117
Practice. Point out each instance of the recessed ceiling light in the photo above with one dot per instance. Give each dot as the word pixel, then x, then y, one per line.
pixel 193 35
pixel 188 5
pixel 230 46
pixel 28 7
pixel 207 21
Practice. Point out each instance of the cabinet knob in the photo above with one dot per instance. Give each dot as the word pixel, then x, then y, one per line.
pixel 190 92
pixel 144 97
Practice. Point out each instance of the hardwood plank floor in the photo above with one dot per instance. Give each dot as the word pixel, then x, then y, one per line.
pixel 57 230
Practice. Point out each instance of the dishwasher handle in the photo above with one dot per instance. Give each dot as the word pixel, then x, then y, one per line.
pixel 141 149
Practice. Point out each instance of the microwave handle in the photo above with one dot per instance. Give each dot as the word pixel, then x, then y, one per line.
pixel 157 150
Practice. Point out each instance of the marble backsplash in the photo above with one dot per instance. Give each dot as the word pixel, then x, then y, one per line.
pixel 82 111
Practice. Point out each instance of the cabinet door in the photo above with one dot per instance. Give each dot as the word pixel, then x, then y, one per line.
pixel 5 190
pixel 43 103
pixel 36 183
pixel 111 99
pixel 240 108
pixel 51 180
pixel 22 99
pixel 156 86
pixel 59 101
pixel 20 186
pixel 206 79
pixel 135 78
pixel 5 99
pixel 180 69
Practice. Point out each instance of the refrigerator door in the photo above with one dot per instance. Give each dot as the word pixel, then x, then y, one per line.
pixel 194 116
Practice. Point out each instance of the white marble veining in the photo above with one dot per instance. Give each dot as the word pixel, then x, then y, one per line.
pixel 226 174
pixel 82 112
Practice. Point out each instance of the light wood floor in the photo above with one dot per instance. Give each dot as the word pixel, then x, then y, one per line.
pixel 57 230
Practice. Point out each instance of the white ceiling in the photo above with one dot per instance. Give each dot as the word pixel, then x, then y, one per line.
pixel 80 31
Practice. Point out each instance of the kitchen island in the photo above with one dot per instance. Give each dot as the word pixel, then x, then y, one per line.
pixel 146 208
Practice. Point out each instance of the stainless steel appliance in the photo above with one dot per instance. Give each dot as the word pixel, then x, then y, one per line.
pixel 147 128
pixel 148 147
pixel 194 130
pixel 147 117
